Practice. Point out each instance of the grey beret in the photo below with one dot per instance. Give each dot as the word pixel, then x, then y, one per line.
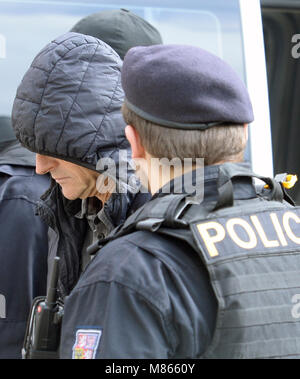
pixel 120 29
pixel 183 87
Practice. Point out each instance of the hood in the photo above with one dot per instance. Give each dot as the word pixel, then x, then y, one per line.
pixel 68 103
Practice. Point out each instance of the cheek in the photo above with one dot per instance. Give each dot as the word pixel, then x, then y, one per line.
pixel 71 184
pixel 77 179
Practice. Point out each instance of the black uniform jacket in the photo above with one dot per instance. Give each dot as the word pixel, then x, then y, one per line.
pixel 144 295
pixel 23 244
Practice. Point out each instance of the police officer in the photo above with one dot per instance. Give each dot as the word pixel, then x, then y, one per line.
pixel 207 269
pixel 23 240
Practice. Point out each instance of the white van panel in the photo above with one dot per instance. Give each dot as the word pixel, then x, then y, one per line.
pixel 257 84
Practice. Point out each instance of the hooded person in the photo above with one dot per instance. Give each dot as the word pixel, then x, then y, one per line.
pixel 23 240
pixel 68 111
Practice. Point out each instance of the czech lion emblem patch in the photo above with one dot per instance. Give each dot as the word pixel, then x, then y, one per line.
pixel 86 344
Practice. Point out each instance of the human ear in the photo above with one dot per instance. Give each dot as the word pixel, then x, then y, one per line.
pixel 138 150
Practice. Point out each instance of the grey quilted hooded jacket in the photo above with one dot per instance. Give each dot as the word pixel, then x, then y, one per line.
pixel 68 103
pixel 68 106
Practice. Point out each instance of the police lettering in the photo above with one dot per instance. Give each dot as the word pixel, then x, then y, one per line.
pixel 269 230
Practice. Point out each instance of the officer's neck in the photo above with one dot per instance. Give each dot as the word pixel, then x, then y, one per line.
pixel 159 172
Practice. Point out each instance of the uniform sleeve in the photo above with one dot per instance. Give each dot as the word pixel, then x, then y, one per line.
pixel 110 320
pixel 23 270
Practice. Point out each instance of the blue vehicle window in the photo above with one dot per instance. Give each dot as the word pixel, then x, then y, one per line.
pixel 26 26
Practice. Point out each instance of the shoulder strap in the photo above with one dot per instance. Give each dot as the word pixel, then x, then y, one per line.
pixel 168 211
pixel 151 216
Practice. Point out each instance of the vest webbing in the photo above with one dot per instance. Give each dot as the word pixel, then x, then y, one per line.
pixel 254 286
pixel 252 254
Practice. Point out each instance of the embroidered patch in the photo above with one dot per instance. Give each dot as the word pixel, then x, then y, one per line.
pixel 86 344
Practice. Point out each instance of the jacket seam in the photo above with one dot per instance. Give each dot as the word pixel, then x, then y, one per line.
pixel 131 287
pixel 104 117
pixel 67 116
pixel 46 84
pixel 41 69
pixel 28 100
pixel 167 323
pixel 161 260
pixel 19 198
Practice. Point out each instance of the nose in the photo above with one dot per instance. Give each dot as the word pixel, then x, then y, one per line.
pixel 43 164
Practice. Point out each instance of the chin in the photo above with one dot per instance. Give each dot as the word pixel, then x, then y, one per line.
pixel 70 197
pixel 69 194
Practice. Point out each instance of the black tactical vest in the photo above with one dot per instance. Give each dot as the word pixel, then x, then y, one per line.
pixel 252 253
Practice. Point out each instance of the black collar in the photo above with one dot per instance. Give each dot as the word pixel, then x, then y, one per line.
pixel 206 179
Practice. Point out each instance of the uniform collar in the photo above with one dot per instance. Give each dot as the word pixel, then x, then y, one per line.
pixel 206 178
